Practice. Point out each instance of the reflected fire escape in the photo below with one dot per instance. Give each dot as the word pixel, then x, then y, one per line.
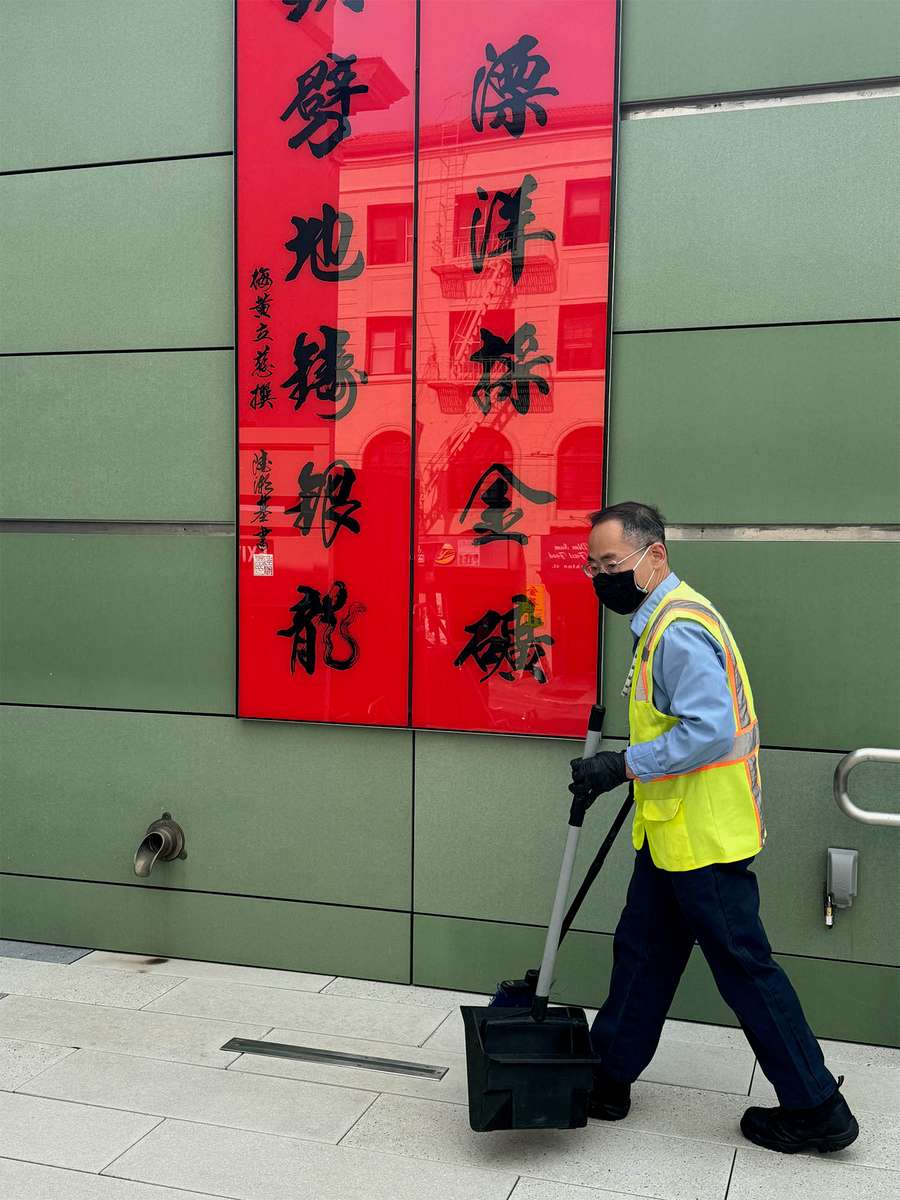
pixel 489 291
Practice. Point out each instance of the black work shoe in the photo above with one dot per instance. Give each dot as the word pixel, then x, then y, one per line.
pixel 609 1100
pixel 827 1127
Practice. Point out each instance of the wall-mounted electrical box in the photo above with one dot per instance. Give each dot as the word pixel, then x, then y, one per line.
pixel 841 871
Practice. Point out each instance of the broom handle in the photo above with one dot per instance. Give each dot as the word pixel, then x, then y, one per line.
pixel 576 819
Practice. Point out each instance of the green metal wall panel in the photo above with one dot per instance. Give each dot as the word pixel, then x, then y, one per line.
pixel 490 829
pixel 803 821
pixel 103 81
pixel 767 215
pixel 323 939
pixel 693 47
pixel 117 257
pixel 264 810
pixel 118 436
pixel 785 425
pixel 847 1001
pixel 814 623
pixel 118 621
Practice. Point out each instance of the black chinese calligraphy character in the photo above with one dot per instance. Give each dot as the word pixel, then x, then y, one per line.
pixel 496 519
pixel 261 278
pixel 262 489
pixel 326 494
pixel 299 8
pixel 320 105
pixel 326 371
pixel 314 613
pixel 515 209
pixel 262 366
pixel 507 88
pixel 262 333
pixel 261 396
pixel 316 242
pixel 262 305
pixel 507 373
pixel 507 642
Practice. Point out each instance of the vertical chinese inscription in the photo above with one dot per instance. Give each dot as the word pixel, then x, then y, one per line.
pixel 262 368
pixel 325 175
pixel 514 183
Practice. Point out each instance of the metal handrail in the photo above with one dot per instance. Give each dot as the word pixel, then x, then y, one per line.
pixel 841 797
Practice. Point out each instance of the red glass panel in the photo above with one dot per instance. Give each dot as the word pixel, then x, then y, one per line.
pixel 325 183
pixel 515 138
pixel 513 175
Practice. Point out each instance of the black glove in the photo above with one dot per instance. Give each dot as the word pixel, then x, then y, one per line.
pixel 591 777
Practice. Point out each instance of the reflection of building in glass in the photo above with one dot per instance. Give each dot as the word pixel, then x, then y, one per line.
pixel 562 292
pixel 556 447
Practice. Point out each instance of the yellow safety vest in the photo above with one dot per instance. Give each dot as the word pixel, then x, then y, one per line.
pixel 714 813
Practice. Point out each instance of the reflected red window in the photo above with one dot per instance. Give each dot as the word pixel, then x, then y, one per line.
pixel 390 234
pixel 389 345
pixel 578 468
pixel 587 212
pixel 581 343
pixel 486 446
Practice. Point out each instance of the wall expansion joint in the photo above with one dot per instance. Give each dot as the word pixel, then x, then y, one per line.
pixel 783 533
pixel 692 106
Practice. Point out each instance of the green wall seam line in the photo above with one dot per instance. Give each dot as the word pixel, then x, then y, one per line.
pixel 615 333
pixel 123 350
pixel 751 325
pixel 195 891
pixel 225 716
pixel 413 913
pixel 169 528
pixel 119 162
pixel 153 712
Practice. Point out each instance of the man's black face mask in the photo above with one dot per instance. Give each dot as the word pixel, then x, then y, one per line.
pixel 618 592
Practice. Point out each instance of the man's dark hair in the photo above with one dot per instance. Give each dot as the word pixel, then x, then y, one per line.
pixel 640 522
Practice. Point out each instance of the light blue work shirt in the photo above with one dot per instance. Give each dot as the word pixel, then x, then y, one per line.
pixel 689 682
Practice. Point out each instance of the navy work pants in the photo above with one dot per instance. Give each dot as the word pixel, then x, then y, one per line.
pixel 718 906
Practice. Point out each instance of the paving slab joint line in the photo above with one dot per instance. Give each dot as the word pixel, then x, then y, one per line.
pixel 144 1057
pixel 133 1144
pixel 179 980
pixel 374 1100
pixel 167 1187
pixel 27 1082
pixel 730 1174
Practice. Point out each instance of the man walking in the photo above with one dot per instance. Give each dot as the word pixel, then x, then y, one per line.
pixel 698 824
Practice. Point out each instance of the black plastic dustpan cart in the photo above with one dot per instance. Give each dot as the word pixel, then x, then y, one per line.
pixel 529 1065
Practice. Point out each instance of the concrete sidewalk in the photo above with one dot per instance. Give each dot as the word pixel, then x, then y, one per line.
pixel 114 1086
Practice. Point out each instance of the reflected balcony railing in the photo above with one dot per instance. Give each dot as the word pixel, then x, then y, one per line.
pixel 540 275
pixel 454 396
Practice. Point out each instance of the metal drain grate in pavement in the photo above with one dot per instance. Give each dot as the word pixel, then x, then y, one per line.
pixel 334 1058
